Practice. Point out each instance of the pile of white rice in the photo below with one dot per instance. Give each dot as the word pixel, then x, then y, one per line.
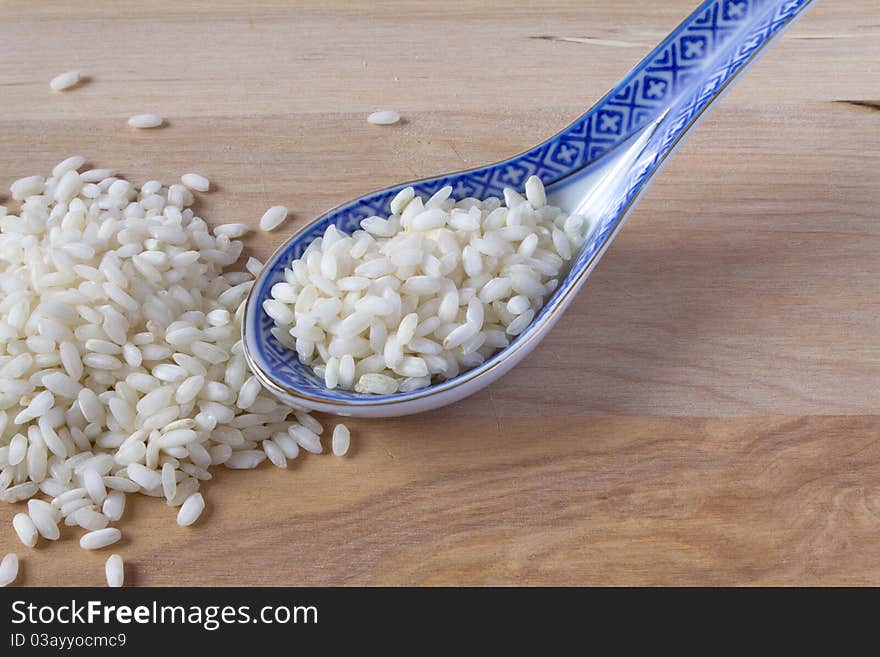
pixel 426 293
pixel 121 366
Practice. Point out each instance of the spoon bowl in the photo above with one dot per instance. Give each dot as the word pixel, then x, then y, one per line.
pixel 597 167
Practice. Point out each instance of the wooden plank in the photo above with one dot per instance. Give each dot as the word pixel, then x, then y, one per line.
pixel 706 413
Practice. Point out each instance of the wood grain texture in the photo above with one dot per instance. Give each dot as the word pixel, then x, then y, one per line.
pixel 706 412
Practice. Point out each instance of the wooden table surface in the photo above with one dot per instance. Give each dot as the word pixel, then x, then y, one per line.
pixel 705 413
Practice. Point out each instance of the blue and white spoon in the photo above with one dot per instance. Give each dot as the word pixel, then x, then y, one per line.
pixel 598 167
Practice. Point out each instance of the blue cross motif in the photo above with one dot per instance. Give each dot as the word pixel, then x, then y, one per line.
pixel 609 122
pixel 512 174
pixel 693 48
pixel 461 190
pixel 656 88
pixel 735 9
pixel 566 153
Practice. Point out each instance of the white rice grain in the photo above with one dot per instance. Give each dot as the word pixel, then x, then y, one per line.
pixel 196 182
pixel 94 485
pixel 25 187
pixel 190 510
pixel 232 231
pixel 145 477
pixel 95 175
pixel 308 440
pixel 535 192
pixel 143 121
pixel 274 453
pixel 248 393
pixel 71 163
pixel 383 117
pixel 25 529
pixel 90 519
pixel 245 459
pixel 45 519
pixel 99 539
pixel 273 217
pixel 114 505
pixel 8 569
pixel 114 570
pixel 64 81
pixel 341 439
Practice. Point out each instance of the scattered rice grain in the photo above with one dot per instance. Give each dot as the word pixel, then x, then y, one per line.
pixel 114 569
pixel 383 117
pixel 142 121
pixel 64 81
pixel 273 217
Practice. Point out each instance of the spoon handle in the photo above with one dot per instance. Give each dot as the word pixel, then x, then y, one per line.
pixel 613 151
pixel 673 85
